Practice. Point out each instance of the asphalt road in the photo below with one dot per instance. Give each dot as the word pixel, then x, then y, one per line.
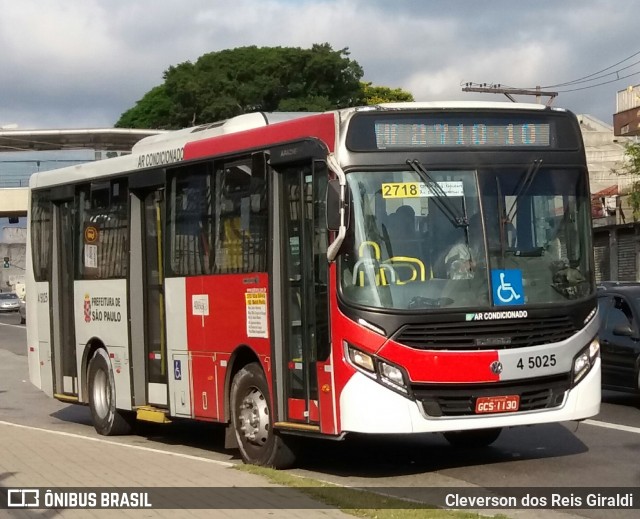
pixel 601 452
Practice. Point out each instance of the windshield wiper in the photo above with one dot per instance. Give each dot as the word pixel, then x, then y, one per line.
pixel 443 200
pixel 524 186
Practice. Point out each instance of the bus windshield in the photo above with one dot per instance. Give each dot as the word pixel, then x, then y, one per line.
pixel 481 238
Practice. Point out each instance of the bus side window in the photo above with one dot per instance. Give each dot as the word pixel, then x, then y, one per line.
pixel 41 232
pixel 104 229
pixel 241 234
pixel 191 221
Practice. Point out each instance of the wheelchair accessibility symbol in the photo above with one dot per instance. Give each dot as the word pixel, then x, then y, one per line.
pixel 507 287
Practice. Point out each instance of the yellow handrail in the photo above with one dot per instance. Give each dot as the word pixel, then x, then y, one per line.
pixel 371 244
pixel 406 261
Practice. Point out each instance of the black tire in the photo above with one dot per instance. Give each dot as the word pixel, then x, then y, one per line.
pixel 107 420
pixel 23 320
pixel 252 420
pixel 473 439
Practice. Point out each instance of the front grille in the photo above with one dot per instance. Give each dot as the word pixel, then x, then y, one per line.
pixel 460 399
pixel 482 335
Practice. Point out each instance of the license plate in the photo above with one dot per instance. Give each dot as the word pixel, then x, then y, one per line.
pixel 497 404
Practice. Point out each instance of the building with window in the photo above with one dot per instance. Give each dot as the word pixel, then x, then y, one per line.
pixel 626 120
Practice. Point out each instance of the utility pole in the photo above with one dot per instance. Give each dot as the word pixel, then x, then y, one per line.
pixel 510 92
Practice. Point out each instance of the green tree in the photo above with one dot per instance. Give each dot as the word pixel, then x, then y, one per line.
pixel 374 95
pixel 632 167
pixel 154 106
pixel 223 84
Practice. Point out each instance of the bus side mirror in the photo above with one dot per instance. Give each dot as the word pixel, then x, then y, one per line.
pixel 334 204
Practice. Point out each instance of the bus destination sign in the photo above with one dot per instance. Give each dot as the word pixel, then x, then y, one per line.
pixel 402 135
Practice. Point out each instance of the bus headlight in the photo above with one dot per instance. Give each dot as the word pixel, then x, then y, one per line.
pixel 583 362
pixel 361 359
pixel 390 375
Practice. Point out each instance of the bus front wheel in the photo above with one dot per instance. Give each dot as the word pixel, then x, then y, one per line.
pixel 107 420
pixel 474 439
pixel 252 418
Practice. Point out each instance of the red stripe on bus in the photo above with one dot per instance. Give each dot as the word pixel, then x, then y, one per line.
pixel 442 366
pixel 320 126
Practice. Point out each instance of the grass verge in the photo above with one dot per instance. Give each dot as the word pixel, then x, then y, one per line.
pixel 358 502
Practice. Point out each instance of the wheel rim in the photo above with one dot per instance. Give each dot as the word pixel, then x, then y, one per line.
pixel 101 394
pixel 254 417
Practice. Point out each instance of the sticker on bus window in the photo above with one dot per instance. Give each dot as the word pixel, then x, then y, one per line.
pixel 91 234
pixel 91 256
pixel 419 189
pixel 256 304
pixel 507 287
pixel 200 304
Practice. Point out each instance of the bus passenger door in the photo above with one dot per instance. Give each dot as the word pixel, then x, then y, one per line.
pixel 62 300
pixel 303 300
pixel 146 288
pixel 155 344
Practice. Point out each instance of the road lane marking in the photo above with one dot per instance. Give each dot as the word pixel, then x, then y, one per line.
pixel 596 423
pixel 14 325
pixel 616 426
pixel 137 447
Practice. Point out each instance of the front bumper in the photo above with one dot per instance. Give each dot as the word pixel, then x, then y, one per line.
pixel 368 407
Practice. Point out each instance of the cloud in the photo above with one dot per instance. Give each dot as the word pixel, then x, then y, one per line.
pixel 81 64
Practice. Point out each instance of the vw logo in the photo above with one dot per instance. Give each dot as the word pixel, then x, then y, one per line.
pixel 496 367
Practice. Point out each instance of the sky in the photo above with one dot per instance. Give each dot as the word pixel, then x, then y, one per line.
pixel 82 63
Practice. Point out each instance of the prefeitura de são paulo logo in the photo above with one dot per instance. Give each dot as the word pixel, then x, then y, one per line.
pixel 87 308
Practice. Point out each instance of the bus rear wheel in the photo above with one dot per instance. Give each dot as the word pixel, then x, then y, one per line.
pixel 107 420
pixel 474 439
pixel 252 418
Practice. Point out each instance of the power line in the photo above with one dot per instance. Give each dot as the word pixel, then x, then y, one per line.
pixel 600 84
pixel 581 79
pixel 537 91
pixel 602 76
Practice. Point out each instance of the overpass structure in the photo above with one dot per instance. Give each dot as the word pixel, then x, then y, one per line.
pixel 14 200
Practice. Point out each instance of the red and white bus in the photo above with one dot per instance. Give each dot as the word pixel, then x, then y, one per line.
pixel 403 268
